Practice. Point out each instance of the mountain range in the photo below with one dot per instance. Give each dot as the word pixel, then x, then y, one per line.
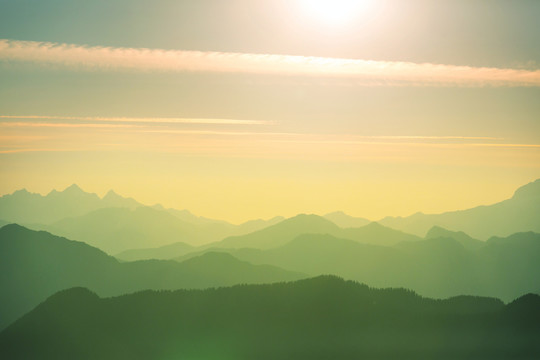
pixel 437 267
pixel 286 230
pixel 158 248
pixel 116 224
pixel 35 265
pixel 518 214
pixel 318 318
pixel 27 208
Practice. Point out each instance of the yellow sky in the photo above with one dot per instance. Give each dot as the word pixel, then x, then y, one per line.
pixel 242 109
pixel 243 174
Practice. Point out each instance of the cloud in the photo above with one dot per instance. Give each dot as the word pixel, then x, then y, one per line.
pixel 16 151
pixel 367 72
pixel 198 121
pixel 146 125
pixel 414 144
pixel 63 125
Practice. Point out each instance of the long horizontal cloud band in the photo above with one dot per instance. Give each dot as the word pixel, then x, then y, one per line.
pixel 364 71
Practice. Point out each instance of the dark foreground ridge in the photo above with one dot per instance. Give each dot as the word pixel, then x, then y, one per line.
pixel 319 318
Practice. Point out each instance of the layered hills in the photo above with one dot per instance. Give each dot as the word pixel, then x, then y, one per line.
pixel 35 265
pixel 286 230
pixel 437 267
pixel 114 223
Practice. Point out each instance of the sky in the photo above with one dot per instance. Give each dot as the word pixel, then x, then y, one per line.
pixel 241 109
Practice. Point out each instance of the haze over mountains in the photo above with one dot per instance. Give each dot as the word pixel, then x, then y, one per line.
pixel 61 209
pixel 160 253
pixel 115 223
pixel 436 267
pixel 25 207
pixel 50 263
pixel 168 249
pixel 439 267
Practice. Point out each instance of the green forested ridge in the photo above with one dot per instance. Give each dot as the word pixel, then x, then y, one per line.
pixel 318 318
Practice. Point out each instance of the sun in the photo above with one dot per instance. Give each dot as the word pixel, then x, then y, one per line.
pixel 334 13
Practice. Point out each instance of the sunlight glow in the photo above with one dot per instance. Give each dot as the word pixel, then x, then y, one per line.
pixel 335 13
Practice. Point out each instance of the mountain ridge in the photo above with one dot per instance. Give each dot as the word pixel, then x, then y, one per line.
pixel 519 213
pixel 317 318
pixel 40 264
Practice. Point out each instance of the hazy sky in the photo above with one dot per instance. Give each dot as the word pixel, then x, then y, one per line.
pixel 239 109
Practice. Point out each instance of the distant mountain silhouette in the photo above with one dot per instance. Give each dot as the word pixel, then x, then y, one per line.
pixel 37 264
pixel 119 229
pixel 25 207
pixel 376 234
pixel 439 267
pixel 346 221
pixel 319 318
pixel 281 233
pixel 244 228
pixel 161 253
pixel 464 239
pixel 112 199
pixel 286 230
pixel 40 212
pixel 520 213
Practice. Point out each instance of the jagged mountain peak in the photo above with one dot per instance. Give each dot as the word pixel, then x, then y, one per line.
pixel 111 194
pixel 73 188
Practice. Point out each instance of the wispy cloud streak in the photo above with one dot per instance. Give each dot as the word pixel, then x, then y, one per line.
pixel 63 125
pixel 98 123
pixel 199 121
pixel 363 71
pixel 419 144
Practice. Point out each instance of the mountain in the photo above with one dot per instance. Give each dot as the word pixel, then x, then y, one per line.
pixel 513 261
pixel 118 229
pixel 25 207
pixel 273 236
pixel 346 221
pixel 112 199
pixel 287 230
pixel 281 233
pixel 215 269
pixel 376 234
pixel 517 214
pixel 34 265
pixel 318 254
pixel 221 225
pixel 440 267
pixel 115 223
pixel 318 318
pixel 464 239
pixel 161 253
pixel 257 224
